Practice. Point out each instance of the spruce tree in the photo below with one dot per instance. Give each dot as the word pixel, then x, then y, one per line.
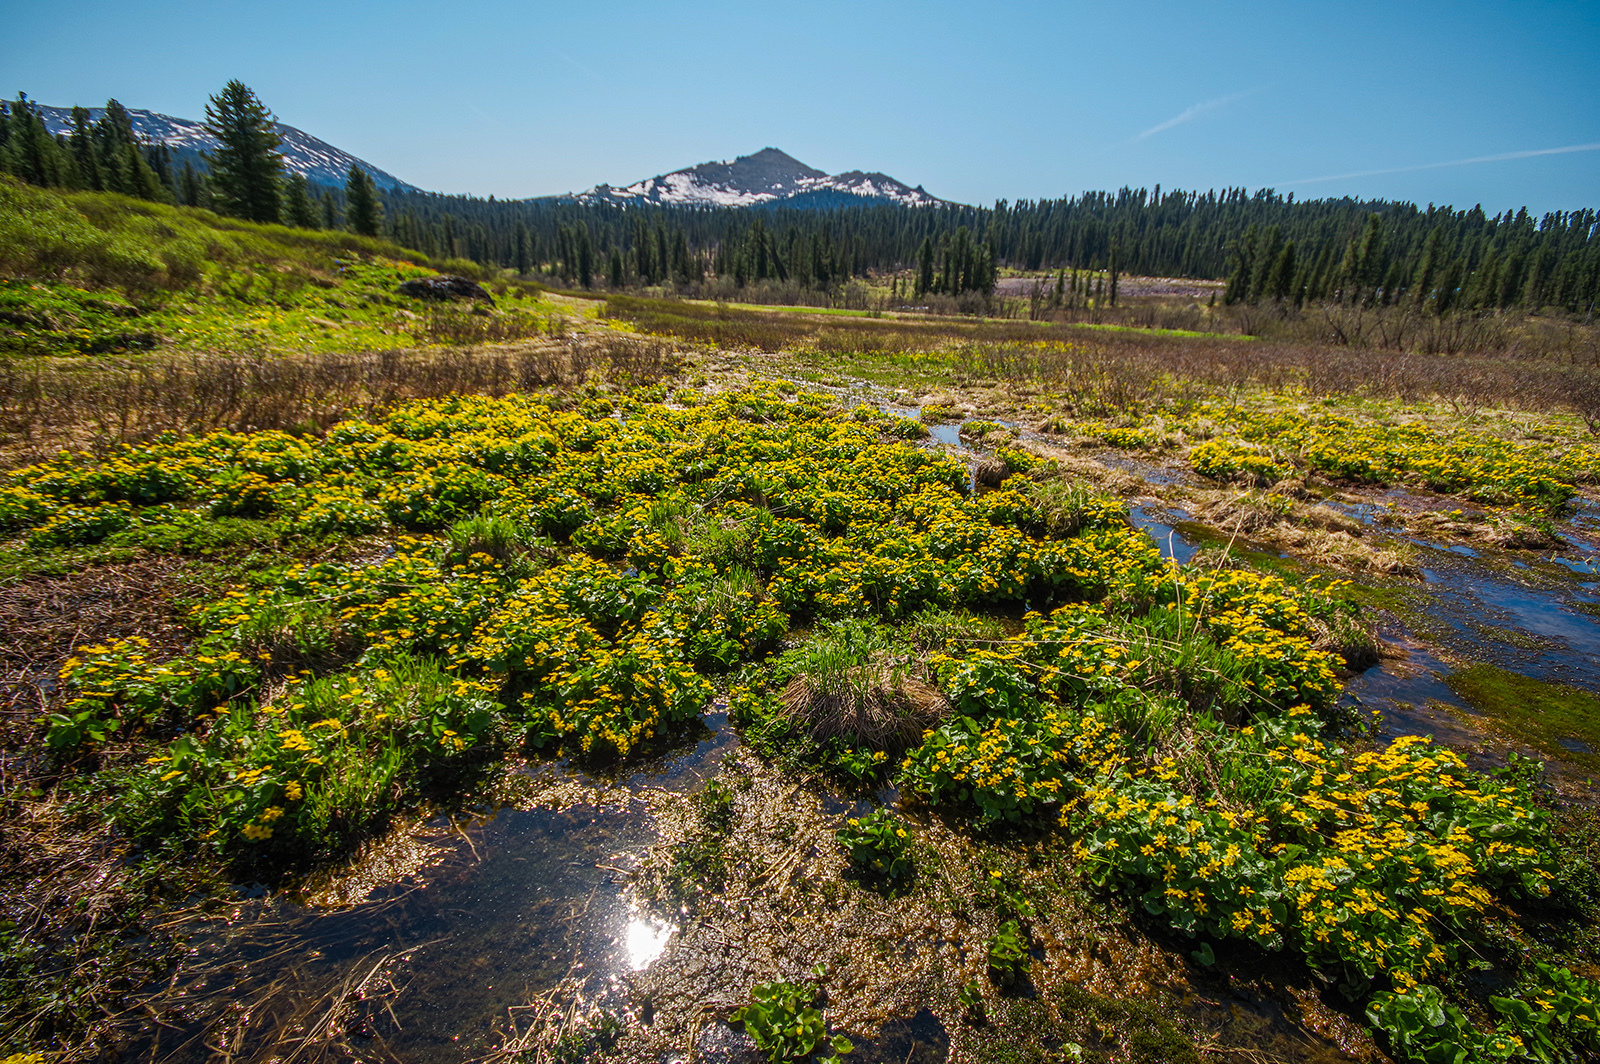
pixel 299 210
pixel 363 210
pixel 245 169
pixel 1282 278
pixel 585 250
pixel 519 249
pixel 30 153
pixel 190 189
pixel 83 149
pixel 925 267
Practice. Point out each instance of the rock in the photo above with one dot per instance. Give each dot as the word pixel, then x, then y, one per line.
pixel 440 289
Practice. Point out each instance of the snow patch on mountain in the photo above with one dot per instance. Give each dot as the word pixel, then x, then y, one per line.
pixel 767 176
pixel 319 161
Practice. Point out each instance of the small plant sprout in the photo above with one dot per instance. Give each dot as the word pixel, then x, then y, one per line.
pixel 1008 953
pixel 784 1021
pixel 878 846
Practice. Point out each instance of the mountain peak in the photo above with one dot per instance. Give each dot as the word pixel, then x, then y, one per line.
pixel 769 176
pixel 319 161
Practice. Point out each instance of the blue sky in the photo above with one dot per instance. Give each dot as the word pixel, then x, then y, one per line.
pixel 976 101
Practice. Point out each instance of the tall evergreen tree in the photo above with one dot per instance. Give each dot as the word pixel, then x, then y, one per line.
pixel 1239 280
pixel 190 189
pixel 30 153
pixel 1282 278
pixel 925 267
pixel 520 258
pixel 245 170
pixel 83 149
pixel 298 208
pixel 585 251
pixel 363 209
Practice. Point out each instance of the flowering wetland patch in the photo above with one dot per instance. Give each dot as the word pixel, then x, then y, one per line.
pixel 1071 726
pixel 397 681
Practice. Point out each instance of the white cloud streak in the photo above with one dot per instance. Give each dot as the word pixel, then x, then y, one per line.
pixel 1503 158
pixel 1192 113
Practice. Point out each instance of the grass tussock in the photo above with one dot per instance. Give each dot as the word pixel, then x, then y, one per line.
pixel 855 684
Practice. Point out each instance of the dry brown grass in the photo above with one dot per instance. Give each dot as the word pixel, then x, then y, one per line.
pixel 50 405
pixel 878 704
pixel 46 618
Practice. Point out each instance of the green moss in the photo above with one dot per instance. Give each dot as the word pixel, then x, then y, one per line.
pixel 1265 561
pixel 1550 717
pixel 1514 637
pixel 1036 1031
pixel 1407 601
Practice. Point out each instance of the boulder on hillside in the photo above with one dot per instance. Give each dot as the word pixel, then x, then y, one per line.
pixel 443 289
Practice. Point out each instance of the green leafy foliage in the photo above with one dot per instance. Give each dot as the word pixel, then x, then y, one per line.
pixel 878 846
pixel 787 1026
pixel 1008 953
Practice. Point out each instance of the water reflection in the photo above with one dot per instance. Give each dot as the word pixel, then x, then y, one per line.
pixel 1171 542
pixel 644 940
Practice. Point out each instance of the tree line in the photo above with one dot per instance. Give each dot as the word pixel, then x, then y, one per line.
pixel 1268 247
pixel 244 177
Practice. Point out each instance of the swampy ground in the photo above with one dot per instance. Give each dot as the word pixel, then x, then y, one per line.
pixel 563 908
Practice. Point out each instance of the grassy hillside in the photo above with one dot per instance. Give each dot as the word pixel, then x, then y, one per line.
pixel 92 273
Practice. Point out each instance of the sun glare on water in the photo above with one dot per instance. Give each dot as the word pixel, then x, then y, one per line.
pixel 644 940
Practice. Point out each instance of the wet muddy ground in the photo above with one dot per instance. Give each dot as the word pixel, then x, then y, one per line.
pixel 548 928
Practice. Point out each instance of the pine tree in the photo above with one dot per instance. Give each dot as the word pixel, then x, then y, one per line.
pixel 330 211
pixel 246 168
pixel 616 268
pixel 681 266
pixel 1239 281
pixel 140 177
pixel 519 250
pixel 1282 278
pixel 1365 262
pixel 643 253
pixel 925 267
pixel 83 149
pixel 585 248
pixel 363 209
pixel 30 153
pixel 1427 267
pixel 1261 278
pixel 299 210
pixel 190 189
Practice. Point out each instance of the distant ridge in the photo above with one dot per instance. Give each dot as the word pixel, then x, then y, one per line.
pixel 319 161
pixel 769 177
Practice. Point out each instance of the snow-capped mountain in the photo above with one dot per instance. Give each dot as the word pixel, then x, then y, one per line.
pixel 319 161
pixel 768 176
